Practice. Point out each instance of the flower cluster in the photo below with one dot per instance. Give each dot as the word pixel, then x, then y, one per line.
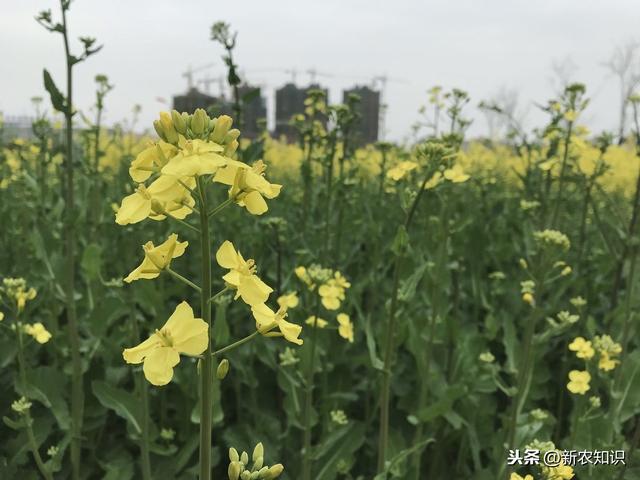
pixel 331 287
pixel 16 290
pixel 552 238
pixel 239 463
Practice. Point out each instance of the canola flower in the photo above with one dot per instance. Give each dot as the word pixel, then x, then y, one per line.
pixel 157 259
pixel 38 332
pixel 486 357
pixel 289 300
pixel 578 382
pixel 316 322
pixel 241 276
pixel 582 348
pixel 515 476
pixel 16 290
pixel 181 334
pixel 267 320
pixel 345 330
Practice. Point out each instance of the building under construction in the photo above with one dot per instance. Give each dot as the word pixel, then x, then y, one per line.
pixel 289 102
pixel 368 109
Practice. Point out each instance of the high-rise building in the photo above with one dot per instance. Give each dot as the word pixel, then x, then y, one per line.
pixel 193 100
pixel 254 110
pixel 368 109
pixel 289 102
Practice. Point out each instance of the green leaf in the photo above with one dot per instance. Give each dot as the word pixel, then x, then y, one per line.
pixel 443 405
pixel 123 403
pixel 57 99
pixel 390 464
pixel 408 288
pixel 338 445
pixel 91 262
pixel 48 386
pixel 371 346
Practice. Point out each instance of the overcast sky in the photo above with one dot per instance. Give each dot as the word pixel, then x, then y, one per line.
pixel 481 46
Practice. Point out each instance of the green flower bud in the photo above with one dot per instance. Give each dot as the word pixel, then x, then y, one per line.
pixel 257 463
pixel 178 122
pixel 258 452
pixel 244 458
pixel 255 476
pixel 199 120
pixel 223 369
pixel 167 126
pixel 158 128
pixel 263 473
pixel 246 475
pixel 223 124
pixel 234 470
pixel 233 455
pixel 275 471
pixel 231 135
pixel 231 148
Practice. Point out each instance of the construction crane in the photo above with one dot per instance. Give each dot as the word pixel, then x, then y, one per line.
pixel 293 72
pixel 313 73
pixel 207 81
pixel 190 71
pixel 380 82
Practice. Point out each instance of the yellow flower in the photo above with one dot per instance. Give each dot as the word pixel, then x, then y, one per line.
pixel 456 174
pixel 340 281
pixel 582 348
pixel 289 300
pixel 316 322
pixel 528 298
pixel 331 295
pixel 346 327
pixel 267 319
pixel 515 476
pixel 578 382
pixel 38 332
pixel 22 296
pixel 166 195
pixel 182 334
pixel 486 357
pixel 399 171
pixel 434 181
pixel 607 363
pixel 196 157
pixel 248 185
pixel 561 472
pixel 150 160
pixel 242 275
pixel 157 258
pixel 570 116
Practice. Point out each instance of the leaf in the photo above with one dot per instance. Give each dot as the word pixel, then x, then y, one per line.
pixel 48 386
pixel 91 262
pixel 408 288
pixel 123 403
pixel 339 445
pixel 371 346
pixel 390 464
pixel 443 405
pixel 57 99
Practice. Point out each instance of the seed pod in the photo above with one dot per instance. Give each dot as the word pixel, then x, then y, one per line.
pixel 223 369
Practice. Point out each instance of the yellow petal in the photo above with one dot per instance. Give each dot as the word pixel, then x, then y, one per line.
pixel 226 255
pixel 190 335
pixel 134 209
pixel 290 331
pixel 146 270
pixel 255 204
pixel 253 290
pixel 137 354
pixel 158 365
pixel 263 315
pixel 142 166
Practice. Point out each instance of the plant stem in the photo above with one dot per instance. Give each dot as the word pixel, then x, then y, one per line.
pixel 383 436
pixel 563 168
pixel 242 341
pixel 144 399
pixel 308 399
pixel 205 311
pixel 77 394
pixel 220 207
pixel 184 280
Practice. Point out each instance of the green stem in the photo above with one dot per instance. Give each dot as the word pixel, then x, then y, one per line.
pixel 242 341
pixel 77 395
pixel 144 398
pixel 308 399
pixel 220 207
pixel 383 436
pixel 563 168
pixel 219 294
pixel 207 369
pixel 184 280
pixel 34 450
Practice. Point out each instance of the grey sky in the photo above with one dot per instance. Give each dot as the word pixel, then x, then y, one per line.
pixel 478 45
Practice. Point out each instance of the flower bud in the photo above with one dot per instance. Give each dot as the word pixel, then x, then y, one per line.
pixel 258 462
pixel 244 458
pixel 199 120
pixel 221 372
pixel 231 148
pixel 258 451
pixel 234 470
pixel 255 476
pixel 233 455
pixel 223 124
pixel 167 126
pixel 231 135
pixel 246 475
pixel 157 126
pixel 263 472
pixel 178 122
pixel 275 471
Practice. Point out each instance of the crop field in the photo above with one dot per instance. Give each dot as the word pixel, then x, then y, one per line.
pixel 191 303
